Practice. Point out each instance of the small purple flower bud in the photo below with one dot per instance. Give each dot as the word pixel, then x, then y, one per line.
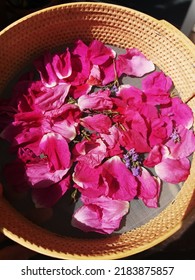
pixel 175 136
pixel 135 171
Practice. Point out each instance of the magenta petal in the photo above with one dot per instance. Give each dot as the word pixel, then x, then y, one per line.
pixel 133 63
pixel 119 180
pixel 47 197
pixel 173 170
pixel 102 215
pixel 99 123
pixel 149 189
pixel 155 156
pixel 156 81
pixel 98 53
pixel 89 185
pixel 55 147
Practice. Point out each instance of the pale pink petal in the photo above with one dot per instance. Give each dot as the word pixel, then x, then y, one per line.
pixel 47 197
pixel 56 148
pixel 173 170
pixel 63 120
pixel 102 215
pixel 112 137
pixel 149 188
pixel 133 63
pixel 99 123
pixel 120 182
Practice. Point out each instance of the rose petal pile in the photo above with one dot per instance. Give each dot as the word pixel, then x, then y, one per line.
pixel 76 127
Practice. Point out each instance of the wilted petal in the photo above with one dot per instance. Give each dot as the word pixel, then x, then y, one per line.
pixel 173 170
pixel 56 148
pixel 47 197
pixel 133 63
pixel 98 101
pixel 51 98
pixel 102 215
pixel 149 188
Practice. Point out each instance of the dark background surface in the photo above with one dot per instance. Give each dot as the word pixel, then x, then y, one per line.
pixel 182 245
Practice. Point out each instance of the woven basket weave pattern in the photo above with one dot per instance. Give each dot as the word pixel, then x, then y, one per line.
pixel 57 27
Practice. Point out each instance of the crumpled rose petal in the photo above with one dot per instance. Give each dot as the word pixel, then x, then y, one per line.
pixel 39 174
pixel 102 215
pixel 96 101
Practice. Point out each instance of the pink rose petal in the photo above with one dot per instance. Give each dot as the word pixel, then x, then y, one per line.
pixel 102 215
pixel 55 147
pixel 133 63
pixel 173 170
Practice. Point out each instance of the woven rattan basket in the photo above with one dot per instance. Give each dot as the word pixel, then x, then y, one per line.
pixel 167 47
